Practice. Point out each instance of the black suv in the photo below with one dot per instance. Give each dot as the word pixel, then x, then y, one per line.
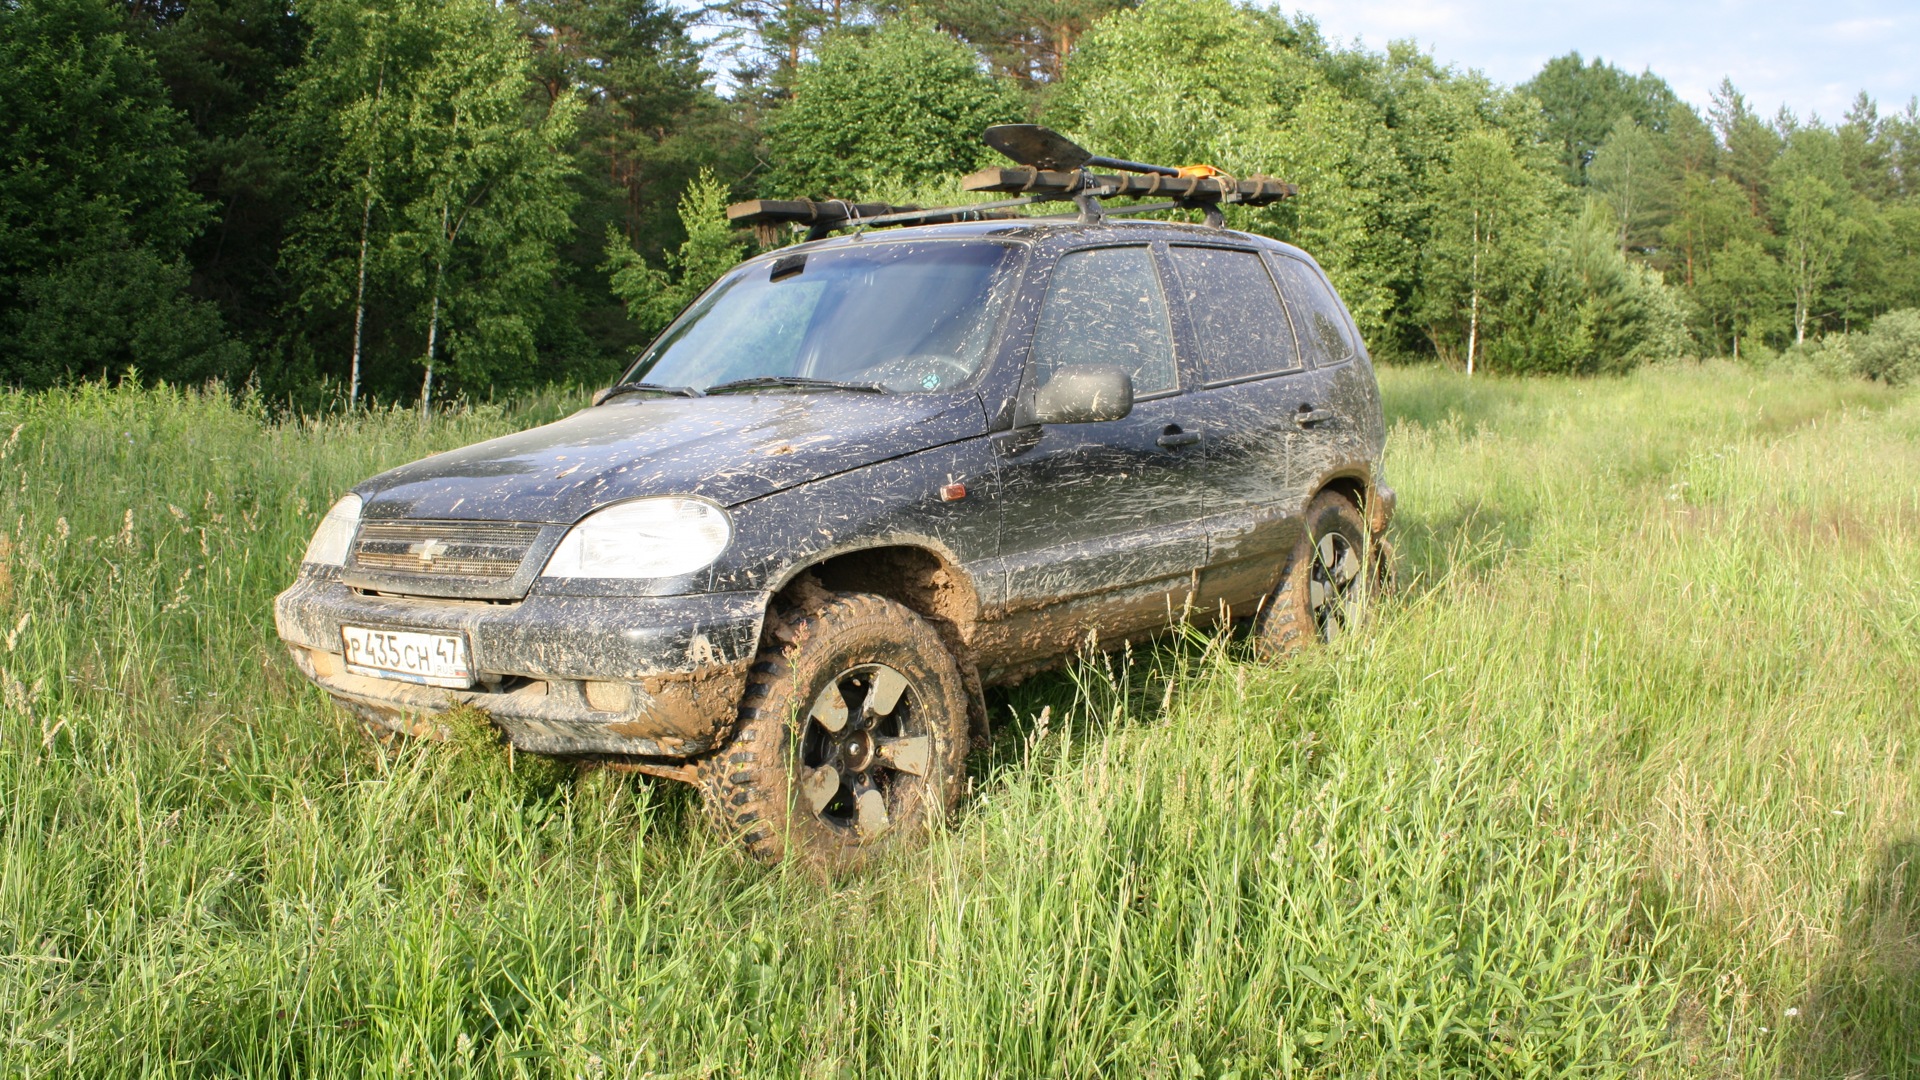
pixel 858 480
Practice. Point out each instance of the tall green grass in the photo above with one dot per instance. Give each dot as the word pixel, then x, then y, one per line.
pixel 1622 782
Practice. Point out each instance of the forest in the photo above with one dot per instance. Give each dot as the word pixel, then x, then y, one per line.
pixel 344 201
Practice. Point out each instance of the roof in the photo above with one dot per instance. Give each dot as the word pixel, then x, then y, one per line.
pixel 1038 228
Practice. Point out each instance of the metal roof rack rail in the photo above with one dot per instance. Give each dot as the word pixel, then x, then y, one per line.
pixel 1050 167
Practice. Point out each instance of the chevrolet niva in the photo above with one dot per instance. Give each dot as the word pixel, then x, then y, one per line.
pixel 858 480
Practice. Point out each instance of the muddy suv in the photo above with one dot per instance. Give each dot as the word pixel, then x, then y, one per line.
pixel 856 482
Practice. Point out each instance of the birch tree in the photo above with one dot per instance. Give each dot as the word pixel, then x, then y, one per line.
pixel 1816 219
pixel 491 198
pixel 1488 222
pixel 346 114
pixel 441 185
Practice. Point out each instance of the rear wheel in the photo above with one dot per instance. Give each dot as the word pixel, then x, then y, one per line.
pixel 1324 586
pixel 851 736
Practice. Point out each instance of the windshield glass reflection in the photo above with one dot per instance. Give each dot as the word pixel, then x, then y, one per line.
pixel 912 317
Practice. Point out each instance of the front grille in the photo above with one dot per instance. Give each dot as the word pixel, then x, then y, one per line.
pixel 472 551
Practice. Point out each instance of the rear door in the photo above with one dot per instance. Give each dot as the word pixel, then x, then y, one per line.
pixel 1340 418
pixel 1256 393
pixel 1101 524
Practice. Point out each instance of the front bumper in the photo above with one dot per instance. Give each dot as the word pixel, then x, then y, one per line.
pixel 648 676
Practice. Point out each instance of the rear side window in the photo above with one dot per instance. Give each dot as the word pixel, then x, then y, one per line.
pixel 1105 307
pixel 1242 329
pixel 1317 314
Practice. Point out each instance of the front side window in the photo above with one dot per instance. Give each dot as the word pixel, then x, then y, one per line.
pixel 1236 314
pixel 913 317
pixel 1105 307
pixel 1316 311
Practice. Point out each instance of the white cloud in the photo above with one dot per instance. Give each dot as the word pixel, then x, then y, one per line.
pixel 1811 58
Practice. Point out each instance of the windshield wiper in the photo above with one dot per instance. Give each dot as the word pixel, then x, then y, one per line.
pixel 630 387
pixel 801 381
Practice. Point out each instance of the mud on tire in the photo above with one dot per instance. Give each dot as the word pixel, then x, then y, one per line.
pixel 852 735
pixel 1333 570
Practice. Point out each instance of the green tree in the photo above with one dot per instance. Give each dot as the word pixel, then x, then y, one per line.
pixel 1582 103
pixel 88 146
pixel 1627 173
pixel 93 196
pixel 226 65
pixel 1817 219
pixel 648 124
pixel 1592 310
pixel 113 310
pixel 348 119
pixel 653 296
pixel 1244 90
pixel 1742 290
pixel 1489 228
pixel 492 196
pixel 1749 145
pixel 1424 109
pixel 1028 40
pixel 902 103
pixel 442 185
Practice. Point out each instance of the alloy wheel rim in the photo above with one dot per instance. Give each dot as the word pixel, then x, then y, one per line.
pixel 1331 592
pixel 864 742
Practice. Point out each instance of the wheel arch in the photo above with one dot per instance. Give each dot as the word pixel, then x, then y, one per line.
pixel 917 572
pixel 1374 501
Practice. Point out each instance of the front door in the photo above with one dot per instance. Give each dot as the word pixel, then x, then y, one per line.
pixel 1102 526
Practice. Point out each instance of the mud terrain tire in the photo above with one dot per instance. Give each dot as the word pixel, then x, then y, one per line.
pixel 1322 588
pixel 790 783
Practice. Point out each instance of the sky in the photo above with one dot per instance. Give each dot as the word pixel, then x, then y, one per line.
pixel 1811 57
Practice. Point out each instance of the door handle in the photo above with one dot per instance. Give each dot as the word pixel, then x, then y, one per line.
pixel 1309 416
pixel 1173 437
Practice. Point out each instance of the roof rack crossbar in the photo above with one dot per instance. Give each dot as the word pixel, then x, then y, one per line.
pixel 825 215
pixel 1051 167
pixel 1252 191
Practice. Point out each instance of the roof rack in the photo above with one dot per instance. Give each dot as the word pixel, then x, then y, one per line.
pixel 1051 167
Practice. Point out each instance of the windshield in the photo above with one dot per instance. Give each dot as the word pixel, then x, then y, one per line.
pixel 909 317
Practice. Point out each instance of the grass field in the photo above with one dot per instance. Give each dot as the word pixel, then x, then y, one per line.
pixel 1622 782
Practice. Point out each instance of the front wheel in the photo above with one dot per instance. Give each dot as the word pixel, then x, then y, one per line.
pixel 851 736
pixel 1324 586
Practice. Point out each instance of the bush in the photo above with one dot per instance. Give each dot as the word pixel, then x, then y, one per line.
pixel 1593 311
pixel 1888 351
pixel 905 102
pixel 113 309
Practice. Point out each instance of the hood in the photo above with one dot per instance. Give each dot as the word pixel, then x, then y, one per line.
pixel 728 448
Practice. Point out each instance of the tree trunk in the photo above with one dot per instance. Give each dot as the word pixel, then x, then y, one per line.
pixel 360 294
pixel 433 334
pixel 366 224
pixel 1802 300
pixel 1473 309
pixel 1473 330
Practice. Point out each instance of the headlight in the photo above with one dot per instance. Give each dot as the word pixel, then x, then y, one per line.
pixel 645 538
pixel 335 534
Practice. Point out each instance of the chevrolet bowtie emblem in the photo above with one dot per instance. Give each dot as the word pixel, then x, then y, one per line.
pixel 427 551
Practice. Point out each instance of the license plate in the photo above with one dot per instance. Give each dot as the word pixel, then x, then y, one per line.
pixel 434 659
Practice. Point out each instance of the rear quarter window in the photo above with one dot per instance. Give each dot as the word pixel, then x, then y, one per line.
pixel 1325 335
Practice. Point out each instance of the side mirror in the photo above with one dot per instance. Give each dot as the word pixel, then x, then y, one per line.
pixel 1081 394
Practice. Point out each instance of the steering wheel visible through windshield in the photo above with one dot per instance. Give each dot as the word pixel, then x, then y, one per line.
pixel 907 316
